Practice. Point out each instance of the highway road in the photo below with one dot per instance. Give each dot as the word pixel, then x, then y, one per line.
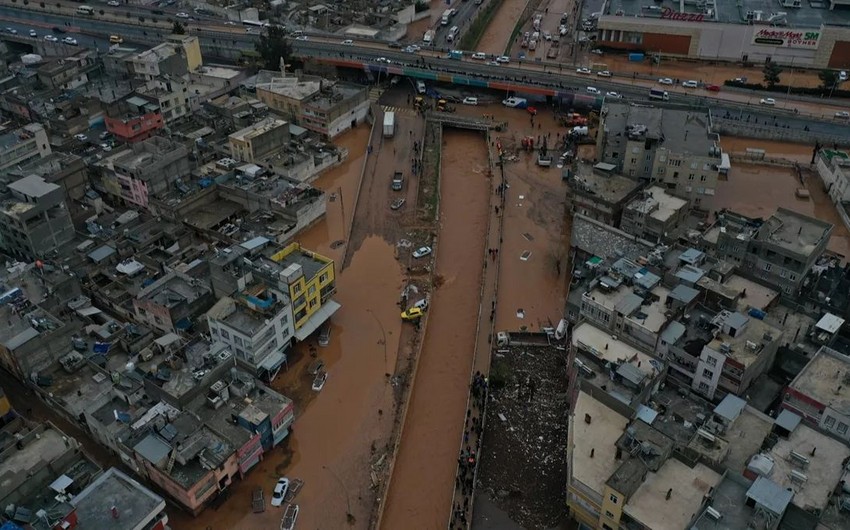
pixel 465 12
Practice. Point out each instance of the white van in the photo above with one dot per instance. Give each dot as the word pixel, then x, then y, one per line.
pixel 593 90
pixel 420 87
pixel 452 33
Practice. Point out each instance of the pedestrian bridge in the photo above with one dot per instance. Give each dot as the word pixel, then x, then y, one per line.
pixel 464 122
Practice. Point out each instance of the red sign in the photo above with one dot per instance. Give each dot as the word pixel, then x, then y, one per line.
pixel 669 14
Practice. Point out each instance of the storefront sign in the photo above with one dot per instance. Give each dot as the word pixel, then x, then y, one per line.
pixel 787 38
pixel 669 14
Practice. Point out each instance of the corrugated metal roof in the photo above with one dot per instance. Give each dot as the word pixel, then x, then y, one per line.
pixel 770 495
pixel 730 408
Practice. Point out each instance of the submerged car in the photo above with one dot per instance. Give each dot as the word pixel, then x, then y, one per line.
pixel 421 252
pixel 280 490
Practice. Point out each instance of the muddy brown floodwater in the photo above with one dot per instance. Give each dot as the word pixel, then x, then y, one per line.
pixel 331 442
pixel 421 488
pixel 498 32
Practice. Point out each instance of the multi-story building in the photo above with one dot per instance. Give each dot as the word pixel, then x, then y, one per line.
pixel 834 170
pixel 599 193
pixel 286 94
pixel 335 109
pixel 654 215
pixel 260 140
pixel 114 497
pixel 65 169
pixel 172 302
pixel 20 146
pixel 179 55
pixel 257 323
pixel 311 281
pixel 171 94
pixel 673 148
pixel 779 251
pixel 34 219
pixel 145 170
pixel 820 393
pixel 69 72
pixel 134 118
pixel 740 348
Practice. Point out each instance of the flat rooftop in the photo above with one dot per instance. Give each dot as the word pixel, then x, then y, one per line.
pixel 310 262
pixel 757 295
pixel 257 129
pixel 287 86
pixel 754 332
pixel 611 188
pixel 33 186
pixel 746 435
pixel 794 232
pixel 36 454
pixel 599 239
pixel 338 94
pixel 607 349
pixel 608 298
pixel 652 316
pixel 657 203
pixel 728 11
pixel 729 499
pixel 650 506
pixel 824 379
pixel 824 469
pixel 137 506
pixel 680 131
pixel 604 429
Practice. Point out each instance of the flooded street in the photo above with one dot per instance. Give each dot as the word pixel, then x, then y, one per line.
pixel 801 153
pixel 330 446
pixel 421 488
pixel 495 38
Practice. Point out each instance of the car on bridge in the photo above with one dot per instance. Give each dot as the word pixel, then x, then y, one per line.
pixel 348 42
pixel 583 70
pixel 614 95
pixel 503 59
pixel 665 81
pixel 712 88
pixel 12 31
pixel 479 56
pixel 182 15
pixel 70 41
pixel 51 38
pixel 604 73
pixel 113 3
pixel 33 33
pixel 301 37
pixel 690 84
pixel 770 102
pixel 843 115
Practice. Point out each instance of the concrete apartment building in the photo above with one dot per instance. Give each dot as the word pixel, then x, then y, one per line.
pixel 286 94
pixel 177 56
pixel 337 108
pixel 257 324
pixel 673 148
pixel 34 219
pixel 259 140
pixel 779 251
pixel 654 215
pixel 134 118
pixel 171 94
pixel 173 302
pixel 600 193
pixel 144 170
pixel 65 169
pixel 834 170
pixel 22 145
pixel 820 394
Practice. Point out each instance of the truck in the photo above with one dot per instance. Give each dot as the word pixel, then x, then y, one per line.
pixel 447 15
pixel 515 103
pixel 657 93
pixel 389 124
pixel 398 181
pixel 428 39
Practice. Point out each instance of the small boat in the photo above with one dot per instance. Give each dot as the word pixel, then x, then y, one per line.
pixel 319 381
pixel 289 517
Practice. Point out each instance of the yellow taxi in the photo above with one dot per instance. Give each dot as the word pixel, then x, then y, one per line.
pixel 414 313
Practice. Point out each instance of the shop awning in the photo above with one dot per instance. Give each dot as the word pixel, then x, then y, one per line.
pixel 319 317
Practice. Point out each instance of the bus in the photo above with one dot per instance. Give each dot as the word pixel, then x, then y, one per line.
pixel 447 15
pixel 256 23
pixel 85 10
pixel 657 93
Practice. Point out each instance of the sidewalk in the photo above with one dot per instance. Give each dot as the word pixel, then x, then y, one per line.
pixel 461 516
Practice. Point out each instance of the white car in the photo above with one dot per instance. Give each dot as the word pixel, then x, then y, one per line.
pixel 280 490
pixel 470 101
pixel 12 31
pixel 113 3
pixel 665 81
pixel 843 115
pixel 51 38
pixel 421 252
pixel 770 102
pixel 492 63
pixel 596 51
pixel 614 95
pixel 592 90
pixel 583 70
pixel 503 59
pixel 106 147
pixel 479 56
pixel 382 60
pixel 348 42
pixel 604 73
pixel 81 137
pixel 182 15
pixel 70 40
pixel 690 84
pixel 301 37
pixel 33 33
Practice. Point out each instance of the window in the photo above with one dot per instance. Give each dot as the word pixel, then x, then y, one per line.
pixel 313 303
pixel 842 428
pixel 296 288
pixel 214 331
pixel 792 276
pixel 311 290
pixel 702 178
pixel 829 422
pixel 323 278
pixel 711 361
pixel 613 498
pixel 704 388
pixel 675 174
pixel 609 514
pixel 691 176
pixel 707 373
pixel 238 340
pixel 767 267
pixel 240 353
pixel 634 160
pixel 224 334
pixel 606 527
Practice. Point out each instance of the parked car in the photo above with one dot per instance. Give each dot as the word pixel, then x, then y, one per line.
pixel 690 84
pixel 614 95
pixel 770 102
pixel 596 51
pixel 348 42
pixel 421 252
pixel 712 88
pixel 182 15
pixel 503 59
pixel 301 37
pixel 106 147
pixel 12 31
pixel 479 56
pixel 81 137
pixel 280 490
pixel 842 115
pixel 113 3
pixel 583 70
pixel 665 81
pixel 470 101
pixel 604 73
pixel 592 90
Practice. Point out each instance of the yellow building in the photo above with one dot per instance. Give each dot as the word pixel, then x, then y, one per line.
pixel 311 281
pixel 191 49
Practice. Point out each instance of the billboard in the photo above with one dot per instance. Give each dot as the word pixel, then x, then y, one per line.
pixel 787 38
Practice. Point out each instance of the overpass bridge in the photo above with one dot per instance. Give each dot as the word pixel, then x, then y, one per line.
pixel 464 122
pixel 39 45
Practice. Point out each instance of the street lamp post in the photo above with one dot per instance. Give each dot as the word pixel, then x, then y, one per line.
pixel 348 515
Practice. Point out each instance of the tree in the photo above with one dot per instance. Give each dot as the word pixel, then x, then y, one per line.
pixel 771 74
pixel 178 28
pixel 273 47
pixel 828 78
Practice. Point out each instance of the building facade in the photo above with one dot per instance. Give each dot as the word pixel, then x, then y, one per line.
pixel 20 146
pixel 134 118
pixel 35 218
pixel 261 139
